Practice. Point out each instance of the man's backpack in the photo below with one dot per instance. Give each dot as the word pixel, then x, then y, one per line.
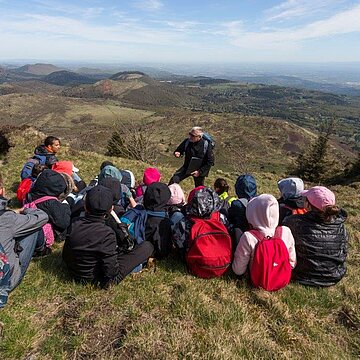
pixel 209 247
pixel 5 274
pixel 28 166
pixel 136 221
pixel 23 189
pixel 270 268
pixel 208 141
pixel 47 228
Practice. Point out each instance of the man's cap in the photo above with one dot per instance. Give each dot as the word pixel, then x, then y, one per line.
pixel 319 196
pixel 99 200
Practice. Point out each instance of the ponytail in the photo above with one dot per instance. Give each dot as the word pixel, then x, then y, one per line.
pixel 330 211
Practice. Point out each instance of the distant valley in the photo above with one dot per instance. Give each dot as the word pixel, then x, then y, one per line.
pixel 86 106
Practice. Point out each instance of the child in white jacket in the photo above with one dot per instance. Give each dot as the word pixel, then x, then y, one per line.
pixel 262 213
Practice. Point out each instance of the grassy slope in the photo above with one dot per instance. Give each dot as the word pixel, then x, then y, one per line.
pixel 166 313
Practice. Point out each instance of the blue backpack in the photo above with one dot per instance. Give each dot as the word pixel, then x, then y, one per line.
pixel 208 140
pixel 136 221
pixel 27 168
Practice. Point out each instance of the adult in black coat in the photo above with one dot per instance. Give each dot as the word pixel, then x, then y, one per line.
pixel 321 240
pixel 194 147
pixel 158 228
pixel 51 183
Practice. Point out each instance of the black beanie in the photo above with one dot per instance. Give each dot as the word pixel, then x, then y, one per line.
pixel 99 200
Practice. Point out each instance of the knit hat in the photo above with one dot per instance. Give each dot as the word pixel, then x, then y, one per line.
pixel 177 195
pixel 99 200
pixel 319 196
pixel 151 175
pixel 290 188
pixel 65 166
pixel 110 171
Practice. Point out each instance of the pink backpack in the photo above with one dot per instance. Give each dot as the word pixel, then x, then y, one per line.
pixel 47 228
pixel 270 268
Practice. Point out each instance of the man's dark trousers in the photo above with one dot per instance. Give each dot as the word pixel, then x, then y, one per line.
pixel 180 175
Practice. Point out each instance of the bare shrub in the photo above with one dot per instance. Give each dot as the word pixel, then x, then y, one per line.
pixel 136 143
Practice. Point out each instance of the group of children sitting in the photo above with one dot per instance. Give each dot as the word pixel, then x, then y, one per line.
pixel 111 228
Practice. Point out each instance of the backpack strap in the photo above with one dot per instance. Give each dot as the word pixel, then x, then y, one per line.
pixel 159 214
pixel 260 237
pixel 244 201
pixel 44 198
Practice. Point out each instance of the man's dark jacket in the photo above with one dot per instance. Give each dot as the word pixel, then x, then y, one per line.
pixel 321 248
pixel 196 149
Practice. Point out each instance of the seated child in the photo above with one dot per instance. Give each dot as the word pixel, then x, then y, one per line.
pixel 321 239
pixel 262 213
pixel 176 204
pixel 52 184
pixel 158 228
pixel 245 188
pixel 91 252
pixel 291 201
pixel 151 175
pixel 20 237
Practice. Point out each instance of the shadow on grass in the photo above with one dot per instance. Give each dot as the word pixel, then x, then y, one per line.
pixel 173 263
pixel 54 265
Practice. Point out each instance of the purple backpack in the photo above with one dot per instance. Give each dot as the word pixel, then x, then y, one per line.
pixel 47 228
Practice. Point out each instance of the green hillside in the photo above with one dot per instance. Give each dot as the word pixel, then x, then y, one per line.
pixel 165 313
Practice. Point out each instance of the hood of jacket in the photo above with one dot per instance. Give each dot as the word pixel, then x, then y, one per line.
pixel 110 171
pixel 48 183
pixel 262 212
pixel 245 187
pixel 290 188
pixel 204 202
pixel 42 151
pixel 114 185
pixel 156 197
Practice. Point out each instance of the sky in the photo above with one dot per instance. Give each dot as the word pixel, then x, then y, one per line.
pixel 182 31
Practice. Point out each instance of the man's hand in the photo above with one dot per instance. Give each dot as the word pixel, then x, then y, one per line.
pixel 19 211
pixel 177 154
pixel 195 173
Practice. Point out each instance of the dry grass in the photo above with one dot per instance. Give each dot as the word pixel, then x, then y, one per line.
pixel 168 314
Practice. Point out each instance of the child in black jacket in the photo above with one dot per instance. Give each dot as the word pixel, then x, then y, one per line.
pixel 91 252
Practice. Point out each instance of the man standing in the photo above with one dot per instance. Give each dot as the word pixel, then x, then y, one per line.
pixel 199 157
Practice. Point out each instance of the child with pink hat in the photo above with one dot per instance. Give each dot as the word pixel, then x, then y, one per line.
pixel 151 175
pixel 321 240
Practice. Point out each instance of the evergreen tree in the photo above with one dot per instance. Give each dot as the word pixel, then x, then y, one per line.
pixel 315 164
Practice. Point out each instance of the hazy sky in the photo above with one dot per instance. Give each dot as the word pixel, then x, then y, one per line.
pixel 180 31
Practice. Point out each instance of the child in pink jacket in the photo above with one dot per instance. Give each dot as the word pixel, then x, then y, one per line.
pixel 262 213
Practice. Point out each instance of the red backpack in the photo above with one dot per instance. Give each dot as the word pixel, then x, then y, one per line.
pixel 210 247
pixel 270 268
pixel 23 189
